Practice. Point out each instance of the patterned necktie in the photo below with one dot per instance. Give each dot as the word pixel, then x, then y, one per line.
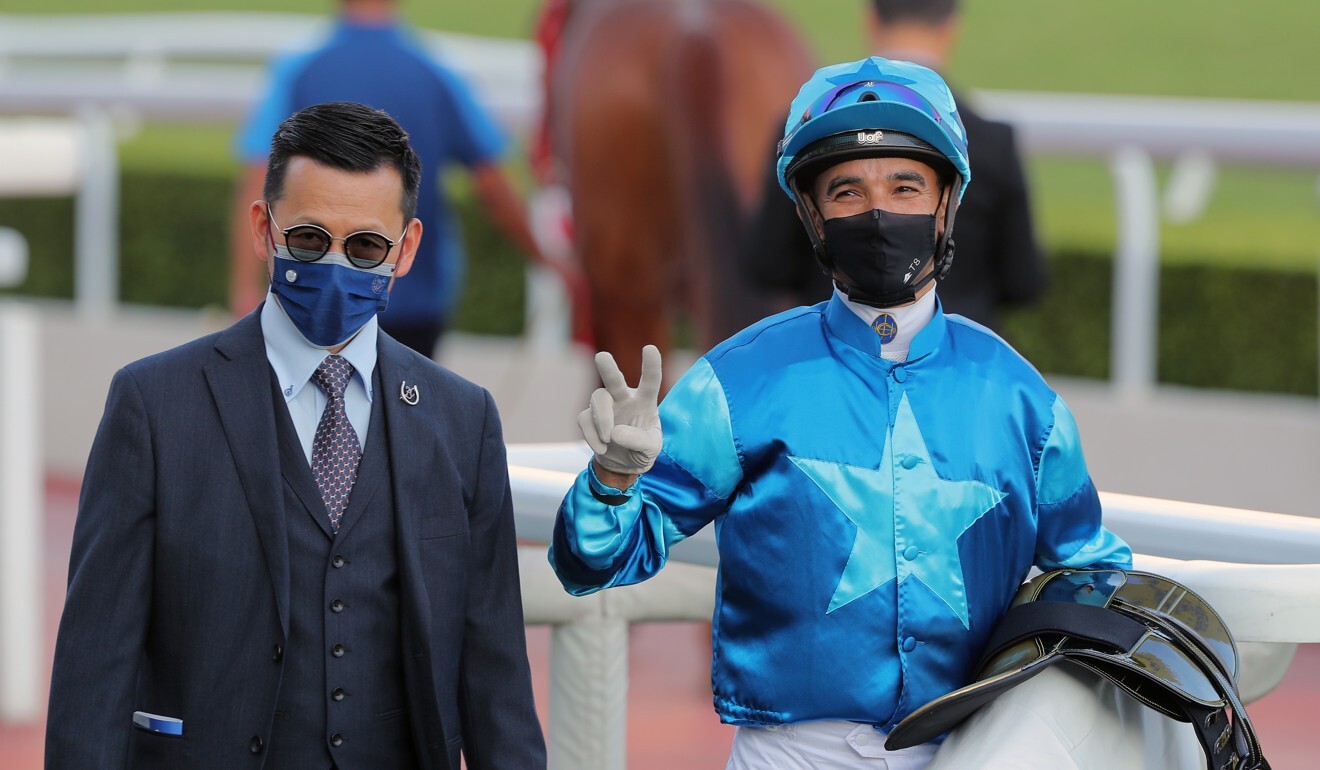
pixel 335 448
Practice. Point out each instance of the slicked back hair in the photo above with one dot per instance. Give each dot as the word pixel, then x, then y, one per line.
pixel 349 137
pixel 923 11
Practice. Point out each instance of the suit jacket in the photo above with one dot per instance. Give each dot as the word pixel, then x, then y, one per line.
pixel 178 598
pixel 997 262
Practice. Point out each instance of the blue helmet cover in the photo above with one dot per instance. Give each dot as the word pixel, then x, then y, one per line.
pixel 875 94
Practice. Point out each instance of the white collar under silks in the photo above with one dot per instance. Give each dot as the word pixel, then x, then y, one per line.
pixel 905 321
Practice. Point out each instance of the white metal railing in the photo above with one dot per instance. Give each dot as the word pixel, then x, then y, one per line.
pixel 1131 132
pixel 72 156
pixel 21 502
pixel 1261 571
pixel 208 67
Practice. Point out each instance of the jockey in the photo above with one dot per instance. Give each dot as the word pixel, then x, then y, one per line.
pixel 881 475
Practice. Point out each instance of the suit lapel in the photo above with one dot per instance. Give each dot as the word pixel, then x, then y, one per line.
pixel 411 438
pixel 424 487
pixel 240 380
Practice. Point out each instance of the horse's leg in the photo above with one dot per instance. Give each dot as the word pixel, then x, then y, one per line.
pixel 620 179
pixel 732 75
pixel 629 293
pixel 764 57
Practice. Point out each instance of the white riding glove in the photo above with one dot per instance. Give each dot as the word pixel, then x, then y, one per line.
pixel 622 424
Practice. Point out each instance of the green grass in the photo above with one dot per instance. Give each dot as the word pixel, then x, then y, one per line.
pixel 1212 48
pixel 1255 217
pixel 1259 49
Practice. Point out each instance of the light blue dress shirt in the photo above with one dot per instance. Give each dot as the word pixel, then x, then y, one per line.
pixel 294 360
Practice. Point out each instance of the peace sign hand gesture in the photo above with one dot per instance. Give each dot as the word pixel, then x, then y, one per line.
pixel 622 424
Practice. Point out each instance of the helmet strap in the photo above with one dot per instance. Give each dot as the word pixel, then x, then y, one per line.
pixel 805 208
pixel 944 246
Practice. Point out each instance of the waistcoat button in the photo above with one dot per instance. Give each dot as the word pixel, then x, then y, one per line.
pixel 336 740
pixel 337 693
pixel 337 651
pixel 337 605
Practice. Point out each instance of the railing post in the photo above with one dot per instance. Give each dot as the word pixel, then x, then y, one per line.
pixel 589 694
pixel 96 230
pixel 1134 327
pixel 547 313
pixel 22 596
pixel 549 307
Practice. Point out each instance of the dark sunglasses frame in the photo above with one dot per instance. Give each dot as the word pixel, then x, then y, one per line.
pixel 299 253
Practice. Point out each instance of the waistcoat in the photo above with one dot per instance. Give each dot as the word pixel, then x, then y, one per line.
pixel 342 699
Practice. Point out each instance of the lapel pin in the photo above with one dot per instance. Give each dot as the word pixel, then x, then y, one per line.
pixel 409 394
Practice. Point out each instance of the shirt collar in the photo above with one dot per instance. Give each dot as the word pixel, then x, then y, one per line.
pixel 294 359
pixel 908 320
pixel 848 321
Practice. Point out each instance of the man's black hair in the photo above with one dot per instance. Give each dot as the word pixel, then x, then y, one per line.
pixel 923 11
pixel 349 137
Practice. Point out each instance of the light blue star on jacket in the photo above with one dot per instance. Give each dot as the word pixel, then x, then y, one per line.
pixel 940 507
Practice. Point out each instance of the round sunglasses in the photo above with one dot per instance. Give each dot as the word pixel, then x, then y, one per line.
pixel 307 243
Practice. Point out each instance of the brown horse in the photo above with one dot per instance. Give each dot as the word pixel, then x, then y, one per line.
pixel 665 117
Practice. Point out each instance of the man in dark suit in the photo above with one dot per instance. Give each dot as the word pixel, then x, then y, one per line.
pixel 998 261
pixel 295 542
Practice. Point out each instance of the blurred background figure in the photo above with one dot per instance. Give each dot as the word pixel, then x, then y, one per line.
pixel 371 56
pixel 548 33
pixel 998 261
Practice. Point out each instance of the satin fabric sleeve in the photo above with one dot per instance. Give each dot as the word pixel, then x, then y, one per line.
pixel 607 537
pixel 1069 532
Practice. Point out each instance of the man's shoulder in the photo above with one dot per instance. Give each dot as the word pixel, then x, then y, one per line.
pixel 773 335
pixel 191 355
pixel 992 141
pixel 977 342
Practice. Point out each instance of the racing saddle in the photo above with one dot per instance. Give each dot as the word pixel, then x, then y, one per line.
pixel 1151 636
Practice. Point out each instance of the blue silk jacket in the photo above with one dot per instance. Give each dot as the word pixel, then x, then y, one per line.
pixel 873 518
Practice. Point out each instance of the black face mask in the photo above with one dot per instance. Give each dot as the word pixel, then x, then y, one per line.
pixel 880 254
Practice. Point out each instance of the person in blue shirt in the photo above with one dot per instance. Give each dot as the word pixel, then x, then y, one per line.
pixel 373 58
pixel 881 475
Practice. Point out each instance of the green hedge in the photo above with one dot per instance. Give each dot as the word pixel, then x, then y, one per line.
pixel 1231 328
pixel 1220 327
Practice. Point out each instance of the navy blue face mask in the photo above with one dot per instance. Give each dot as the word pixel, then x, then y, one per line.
pixel 329 300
